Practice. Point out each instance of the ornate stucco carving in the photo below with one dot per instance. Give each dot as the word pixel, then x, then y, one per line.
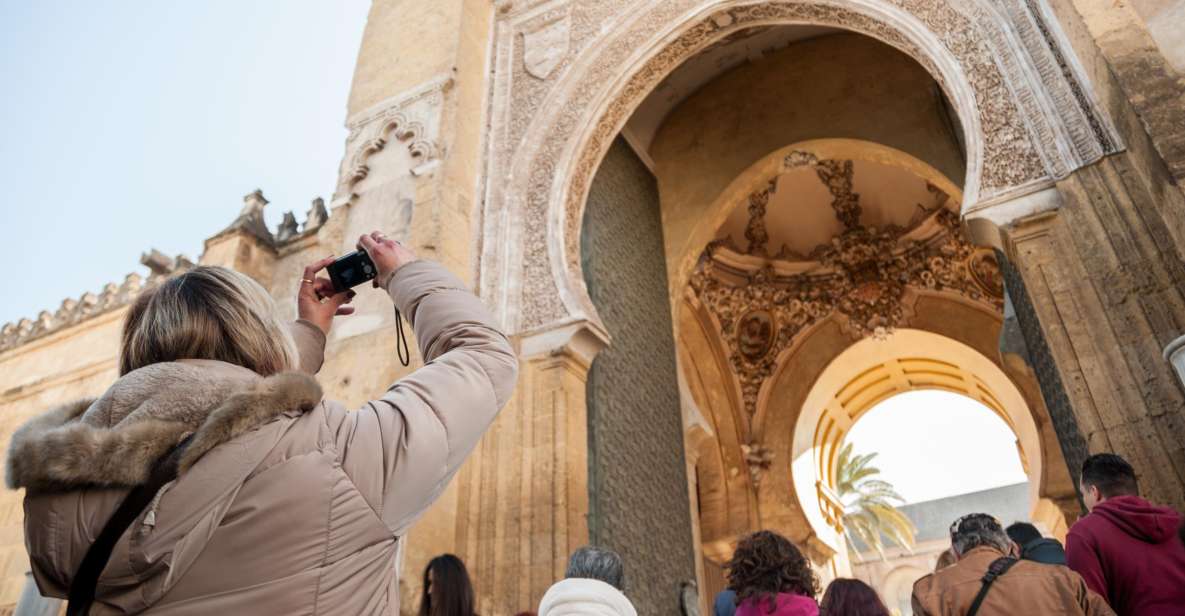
pixel 548 135
pixel 412 118
pixel 864 277
pixel 755 231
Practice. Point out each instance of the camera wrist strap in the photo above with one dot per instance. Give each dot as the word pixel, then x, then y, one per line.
pixel 401 340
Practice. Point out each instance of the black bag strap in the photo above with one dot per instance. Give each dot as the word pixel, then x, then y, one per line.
pixel 995 570
pixel 86 579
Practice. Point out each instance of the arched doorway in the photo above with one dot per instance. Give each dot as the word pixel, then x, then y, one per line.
pixel 873 290
pixel 556 269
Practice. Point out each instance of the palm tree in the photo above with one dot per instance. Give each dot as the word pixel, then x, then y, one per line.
pixel 870 512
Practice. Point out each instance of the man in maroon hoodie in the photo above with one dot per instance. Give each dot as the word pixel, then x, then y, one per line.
pixel 1126 548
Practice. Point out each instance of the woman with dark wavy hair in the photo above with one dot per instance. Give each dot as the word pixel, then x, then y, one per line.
pixel 771 576
pixel 847 597
pixel 447 589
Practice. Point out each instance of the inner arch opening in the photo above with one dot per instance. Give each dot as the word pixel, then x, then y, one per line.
pixel 933 443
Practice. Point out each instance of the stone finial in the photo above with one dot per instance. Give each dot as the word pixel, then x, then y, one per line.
pixel 157 262
pixel 253 203
pixel 317 214
pixel 250 218
pixel 67 312
pixel 44 321
pixel 288 228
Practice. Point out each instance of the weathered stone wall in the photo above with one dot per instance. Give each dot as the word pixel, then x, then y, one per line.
pixel 1132 69
pixel 638 502
pixel 1164 19
pixel 1106 283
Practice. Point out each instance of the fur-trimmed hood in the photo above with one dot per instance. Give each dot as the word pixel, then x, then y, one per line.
pixel 115 440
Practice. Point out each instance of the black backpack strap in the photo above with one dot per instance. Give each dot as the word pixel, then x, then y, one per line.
pixel 86 579
pixel 995 570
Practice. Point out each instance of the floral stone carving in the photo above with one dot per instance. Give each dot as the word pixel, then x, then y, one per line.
pixel 862 277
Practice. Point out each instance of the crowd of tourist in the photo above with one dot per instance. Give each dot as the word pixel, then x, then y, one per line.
pixel 1125 557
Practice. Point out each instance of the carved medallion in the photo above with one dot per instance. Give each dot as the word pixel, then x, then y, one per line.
pixel 755 334
pixel 985 271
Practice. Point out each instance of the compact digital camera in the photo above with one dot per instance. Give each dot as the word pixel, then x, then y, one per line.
pixel 351 270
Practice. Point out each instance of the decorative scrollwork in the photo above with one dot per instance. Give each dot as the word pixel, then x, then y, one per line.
pixel 862 277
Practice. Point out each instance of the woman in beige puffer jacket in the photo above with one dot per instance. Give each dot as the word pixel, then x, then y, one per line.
pixel 285 503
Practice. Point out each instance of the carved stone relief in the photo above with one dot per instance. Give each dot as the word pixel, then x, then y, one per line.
pixel 412 118
pixel 758 458
pixel 548 150
pixel 863 277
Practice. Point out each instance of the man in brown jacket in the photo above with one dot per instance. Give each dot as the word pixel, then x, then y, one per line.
pixel 1025 587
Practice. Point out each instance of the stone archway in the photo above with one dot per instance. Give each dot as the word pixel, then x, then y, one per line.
pixel 569 74
pixel 1026 116
pixel 758 325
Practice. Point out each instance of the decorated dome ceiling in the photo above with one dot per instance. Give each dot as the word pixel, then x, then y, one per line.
pixel 807 206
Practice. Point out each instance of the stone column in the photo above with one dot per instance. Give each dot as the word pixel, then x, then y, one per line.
pixel 1099 288
pixel 523 502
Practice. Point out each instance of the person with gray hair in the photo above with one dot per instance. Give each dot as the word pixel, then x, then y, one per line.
pixel 593 563
pixel 988 580
pixel 592 584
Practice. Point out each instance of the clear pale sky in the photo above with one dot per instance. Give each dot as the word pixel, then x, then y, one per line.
pixel 137 124
pixel 924 447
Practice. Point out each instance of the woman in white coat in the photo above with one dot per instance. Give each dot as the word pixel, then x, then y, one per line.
pixel 593 586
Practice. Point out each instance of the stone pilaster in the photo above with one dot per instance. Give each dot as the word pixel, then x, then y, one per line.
pixel 1105 283
pixel 524 499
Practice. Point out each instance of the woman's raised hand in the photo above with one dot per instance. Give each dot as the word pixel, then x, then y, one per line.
pixel 317 301
pixel 387 254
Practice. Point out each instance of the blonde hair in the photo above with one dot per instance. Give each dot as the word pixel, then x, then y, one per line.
pixel 208 312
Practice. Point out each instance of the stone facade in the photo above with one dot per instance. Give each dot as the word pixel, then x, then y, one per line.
pixel 477 132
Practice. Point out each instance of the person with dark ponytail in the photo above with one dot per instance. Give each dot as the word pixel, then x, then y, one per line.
pixel 447 590
pixel 847 597
pixel 772 577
